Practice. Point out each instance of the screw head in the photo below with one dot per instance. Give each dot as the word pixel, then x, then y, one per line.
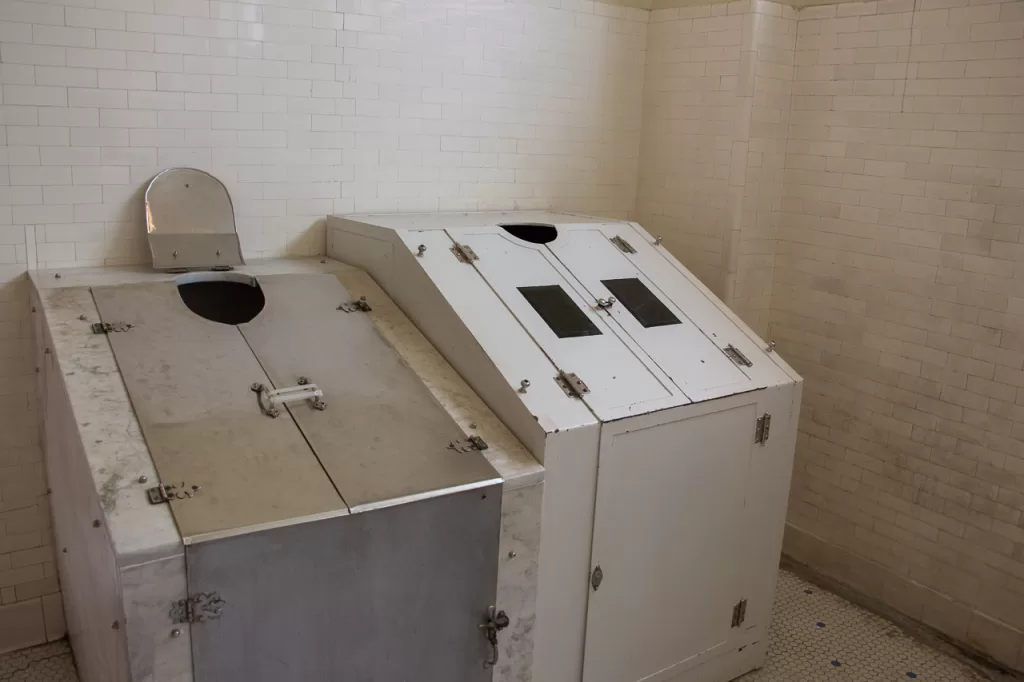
pixel 116 625
pixel 143 479
pixel 96 523
pixel 176 632
pixel 472 425
pixel 57 276
pixel 512 555
pixel 83 317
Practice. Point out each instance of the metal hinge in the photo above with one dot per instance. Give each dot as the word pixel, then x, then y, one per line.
pixel 197 608
pixel 623 245
pixel 360 306
pixel 108 327
pixel 764 423
pixel 468 444
pixel 165 493
pixel 571 384
pixel 465 253
pixel 736 356
pixel 739 613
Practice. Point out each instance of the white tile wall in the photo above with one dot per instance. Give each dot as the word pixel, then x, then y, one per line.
pixel 302 108
pixel 899 272
pixel 716 109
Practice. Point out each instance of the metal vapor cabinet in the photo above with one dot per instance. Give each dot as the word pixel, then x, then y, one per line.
pixel 314 513
pixel 665 425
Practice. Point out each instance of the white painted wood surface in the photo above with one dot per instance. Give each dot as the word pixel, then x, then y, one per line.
pixel 711 573
pixel 683 351
pixel 615 374
pixel 669 541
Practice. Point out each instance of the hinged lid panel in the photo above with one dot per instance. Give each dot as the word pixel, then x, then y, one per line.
pixel 381 435
pixel 190 381
pixel 722 328
pixel 644 312
pixel 506 343
pixel 578 339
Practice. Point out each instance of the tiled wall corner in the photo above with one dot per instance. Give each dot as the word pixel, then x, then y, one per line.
pixel 716 108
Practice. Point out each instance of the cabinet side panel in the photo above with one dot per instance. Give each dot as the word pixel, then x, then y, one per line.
pixel 85 555
pixel 567 523
pixel 518 555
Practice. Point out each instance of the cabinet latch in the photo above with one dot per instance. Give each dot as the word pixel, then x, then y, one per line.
pixel 495 623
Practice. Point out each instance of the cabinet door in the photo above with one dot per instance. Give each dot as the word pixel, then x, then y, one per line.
pixel 668 535
pixel 647 314
pixel 548 303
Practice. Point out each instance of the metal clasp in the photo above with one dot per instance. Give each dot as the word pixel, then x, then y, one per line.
pixel 468 444
pixel 269 399
pixel 496 622
pixel 605 303
pixel 108 327
pixel 360 306
pixel 165 493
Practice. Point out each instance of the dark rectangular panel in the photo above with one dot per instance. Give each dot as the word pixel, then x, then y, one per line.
pixel 386 595
pixel 559 311
pixel 641 302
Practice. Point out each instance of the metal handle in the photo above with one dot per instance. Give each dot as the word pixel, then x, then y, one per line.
pixel 605 303
pixel 269 399
pixel 496 621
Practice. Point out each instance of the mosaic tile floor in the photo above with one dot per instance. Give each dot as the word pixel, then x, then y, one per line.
pixel 46 663
pixel 816 636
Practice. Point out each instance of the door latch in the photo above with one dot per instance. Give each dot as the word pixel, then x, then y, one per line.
pixel 496 622
pixel 270 399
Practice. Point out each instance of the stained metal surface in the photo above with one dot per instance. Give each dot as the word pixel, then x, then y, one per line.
pixel 189 380
pixel 190 221
pixel 383 435
pixel 391 594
